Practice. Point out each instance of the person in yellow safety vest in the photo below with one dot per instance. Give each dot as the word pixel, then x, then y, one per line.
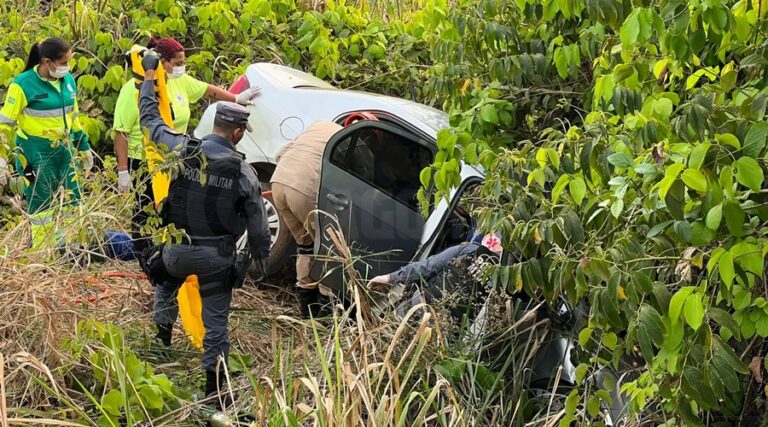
pixel 129 140
pixel 41 104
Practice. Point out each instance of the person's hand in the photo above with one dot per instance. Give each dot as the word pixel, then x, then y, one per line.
pixel 123 181
pixel 88 160
pixel 4 172
pixel 150 61
pixel 248 96
pixel 379 283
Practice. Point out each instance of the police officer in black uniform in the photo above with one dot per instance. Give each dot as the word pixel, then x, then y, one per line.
pixel 215 199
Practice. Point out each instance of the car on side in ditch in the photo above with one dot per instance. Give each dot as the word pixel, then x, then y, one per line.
pixel 376 209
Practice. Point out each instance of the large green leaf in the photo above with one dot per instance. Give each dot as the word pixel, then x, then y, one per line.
pixel 630 29
pixel 112 402
pixel 734 217
pixel 754 142
pixel 749 257
pixel 675 200
pixel 725 266
pixel 578 189
pixel 696 158
pixel 695 180
pixel 621 160
pixel 749 173
pixel 677 302
pixel 695 386
pixel 670 175
pixel 562 182
pixel 658 228
pixel 650 330
pixel 725 320
pixel 694 311
pixel 714 217
pixel 489 114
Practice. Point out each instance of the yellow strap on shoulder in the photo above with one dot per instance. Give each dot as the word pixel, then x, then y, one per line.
pixel 160 181
pixel 190 303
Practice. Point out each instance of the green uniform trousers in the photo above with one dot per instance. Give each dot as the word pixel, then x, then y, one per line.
pixel 53 168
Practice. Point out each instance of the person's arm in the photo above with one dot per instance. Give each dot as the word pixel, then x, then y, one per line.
pixel 80 137
pixel 149 113
pixel 15 102
pixel 219 94
pixel 121 151
pixel 259 239
pixel 245 97
pixel 125 119
pixel 430 267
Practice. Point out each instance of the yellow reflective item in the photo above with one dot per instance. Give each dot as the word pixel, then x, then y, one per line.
pixel 191 311
pixel 190 303
pixel 46 233
pixel 160 181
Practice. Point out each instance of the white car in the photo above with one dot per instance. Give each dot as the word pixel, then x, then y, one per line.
pixel 375 204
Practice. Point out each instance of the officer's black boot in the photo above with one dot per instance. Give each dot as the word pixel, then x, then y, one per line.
pixel 215 386
pixel 213 382
pixel 164 333
pixel 307 301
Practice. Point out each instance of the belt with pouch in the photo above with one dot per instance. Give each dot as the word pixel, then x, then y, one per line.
pixel 225 244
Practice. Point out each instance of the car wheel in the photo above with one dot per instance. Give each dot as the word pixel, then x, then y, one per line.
pixel 283 245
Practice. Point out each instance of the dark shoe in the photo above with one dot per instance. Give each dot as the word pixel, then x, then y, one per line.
pixel 213 382
pixel 308 300
pixel 216 392
pixel 164 333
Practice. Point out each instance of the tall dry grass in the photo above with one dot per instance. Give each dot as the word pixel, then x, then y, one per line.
pixel 356 367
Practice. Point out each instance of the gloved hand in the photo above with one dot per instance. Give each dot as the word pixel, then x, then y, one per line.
pixel 123 181
pixel 4 172
pixel 150 61
pixel 248 96
pixel 379 283
pixel 88 160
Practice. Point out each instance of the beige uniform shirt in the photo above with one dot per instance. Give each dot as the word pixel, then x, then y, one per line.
pixel 298 163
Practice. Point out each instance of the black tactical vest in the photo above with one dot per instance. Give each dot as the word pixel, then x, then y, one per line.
pixel 204 201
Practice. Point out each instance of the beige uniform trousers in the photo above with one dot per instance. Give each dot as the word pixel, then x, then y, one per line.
pixel 297 212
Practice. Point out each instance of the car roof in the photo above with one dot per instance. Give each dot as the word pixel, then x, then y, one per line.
pixel 315 94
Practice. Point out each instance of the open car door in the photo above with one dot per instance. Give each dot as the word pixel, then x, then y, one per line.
pixel 369 179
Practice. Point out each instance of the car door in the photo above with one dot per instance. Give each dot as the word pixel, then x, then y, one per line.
pixel 368 184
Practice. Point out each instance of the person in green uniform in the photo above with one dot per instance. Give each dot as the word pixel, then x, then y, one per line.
pixel 41 104
pixel 183 90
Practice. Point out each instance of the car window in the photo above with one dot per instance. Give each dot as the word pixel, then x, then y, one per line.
pixel 385 160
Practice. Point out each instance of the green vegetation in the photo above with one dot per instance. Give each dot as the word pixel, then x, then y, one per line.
pixel 624 143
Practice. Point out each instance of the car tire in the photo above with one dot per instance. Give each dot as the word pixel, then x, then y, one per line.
pixel 283 245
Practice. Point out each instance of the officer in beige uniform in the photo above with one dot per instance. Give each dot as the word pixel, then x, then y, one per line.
pixel 295 185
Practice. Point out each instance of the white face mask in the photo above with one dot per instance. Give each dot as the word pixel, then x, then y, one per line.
pixel 178 71
pixel 60 71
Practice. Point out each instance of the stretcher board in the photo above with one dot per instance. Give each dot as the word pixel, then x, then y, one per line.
pixel 190 303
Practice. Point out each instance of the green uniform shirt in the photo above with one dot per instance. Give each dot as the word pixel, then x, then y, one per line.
pixel 183 91
pixel 43 111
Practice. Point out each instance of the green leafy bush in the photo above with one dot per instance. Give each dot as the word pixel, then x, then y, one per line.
pixel 624 144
